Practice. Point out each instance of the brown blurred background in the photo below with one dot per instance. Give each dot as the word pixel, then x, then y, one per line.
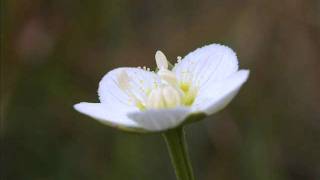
pixel 54 52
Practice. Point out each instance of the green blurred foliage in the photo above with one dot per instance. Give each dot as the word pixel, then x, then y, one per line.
pixel 54 52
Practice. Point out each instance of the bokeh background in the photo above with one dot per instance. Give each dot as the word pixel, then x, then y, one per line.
pixel 54 52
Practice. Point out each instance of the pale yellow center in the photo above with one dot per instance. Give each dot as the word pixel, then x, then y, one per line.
pixel 169 93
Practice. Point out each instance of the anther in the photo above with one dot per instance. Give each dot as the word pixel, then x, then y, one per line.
pixel 161 60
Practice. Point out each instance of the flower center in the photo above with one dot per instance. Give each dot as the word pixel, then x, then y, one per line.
pixel 186 90
pixel 169 93
pixel 164 97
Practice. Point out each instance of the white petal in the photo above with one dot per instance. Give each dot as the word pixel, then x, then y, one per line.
pixel 211 62
pixel 108 115
pixel 219 93
pixel 111 86
pixel 160 119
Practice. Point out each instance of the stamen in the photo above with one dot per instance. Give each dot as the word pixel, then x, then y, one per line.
pixel 161 60
pixel 179 59
pixel 168 93
pixel 164 97
pixel 171 97
pixel 168 76
pixel 189 96
pixel 155 99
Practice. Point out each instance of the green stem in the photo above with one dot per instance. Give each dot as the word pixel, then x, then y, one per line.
pixel 177 147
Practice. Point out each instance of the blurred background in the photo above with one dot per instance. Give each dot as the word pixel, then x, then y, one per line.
pixel 54 52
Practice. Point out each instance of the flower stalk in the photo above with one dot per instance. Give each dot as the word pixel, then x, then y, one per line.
pixel 177 147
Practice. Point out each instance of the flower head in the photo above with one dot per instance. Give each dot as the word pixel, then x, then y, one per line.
pixel 137 99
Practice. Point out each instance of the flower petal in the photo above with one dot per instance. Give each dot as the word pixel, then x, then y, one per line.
pixel 109 115
pixel 111 88
pixel 219 93
pixel 160 119
pixel 211 62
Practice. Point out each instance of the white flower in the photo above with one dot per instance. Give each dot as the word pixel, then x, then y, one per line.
pixel 136 99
